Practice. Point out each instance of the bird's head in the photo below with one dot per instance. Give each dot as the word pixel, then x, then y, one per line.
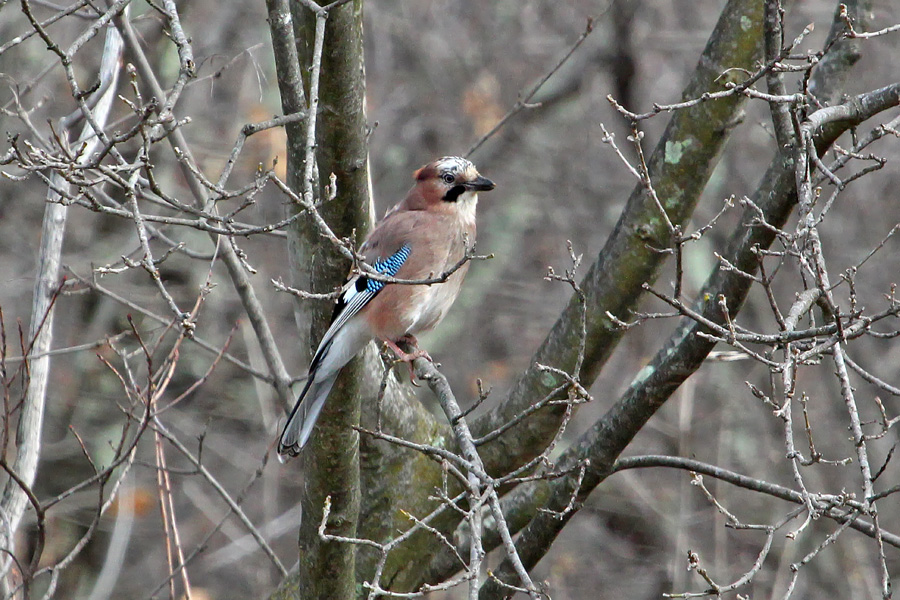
pixel 451 184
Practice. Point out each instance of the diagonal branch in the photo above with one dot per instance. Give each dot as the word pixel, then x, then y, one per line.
pixel 239 276
pixel 686 349
pixel 679 168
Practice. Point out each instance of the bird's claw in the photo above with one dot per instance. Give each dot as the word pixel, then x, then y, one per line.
pixel 409 357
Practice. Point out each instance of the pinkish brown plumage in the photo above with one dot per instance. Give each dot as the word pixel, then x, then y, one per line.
pixel 422 237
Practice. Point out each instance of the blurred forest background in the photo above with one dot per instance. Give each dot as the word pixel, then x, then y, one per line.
pixel 441 74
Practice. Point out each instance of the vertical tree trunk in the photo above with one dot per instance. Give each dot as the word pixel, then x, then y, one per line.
pixel 330 462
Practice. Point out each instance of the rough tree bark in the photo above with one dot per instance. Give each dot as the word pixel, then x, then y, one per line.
pixel 327 46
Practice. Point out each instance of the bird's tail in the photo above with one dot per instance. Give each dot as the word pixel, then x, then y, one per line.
pixel 303 418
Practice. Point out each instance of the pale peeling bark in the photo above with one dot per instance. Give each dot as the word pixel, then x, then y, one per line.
pixel 14 500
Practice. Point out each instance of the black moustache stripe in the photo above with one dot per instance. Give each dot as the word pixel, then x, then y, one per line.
pixel 454 193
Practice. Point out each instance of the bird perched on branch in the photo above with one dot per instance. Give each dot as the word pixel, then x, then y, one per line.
pixel 421 238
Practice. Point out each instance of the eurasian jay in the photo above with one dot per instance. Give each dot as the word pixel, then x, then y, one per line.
pixel 420 238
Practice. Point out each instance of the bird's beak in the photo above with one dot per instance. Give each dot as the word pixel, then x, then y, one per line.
pixel 480 184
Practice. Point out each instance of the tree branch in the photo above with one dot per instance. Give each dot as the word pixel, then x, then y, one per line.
pixel 679 168
pixel 28 436
pixel 686 349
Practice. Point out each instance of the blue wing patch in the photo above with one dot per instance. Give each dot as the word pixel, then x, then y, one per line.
pixel 357 294
pixel 389 266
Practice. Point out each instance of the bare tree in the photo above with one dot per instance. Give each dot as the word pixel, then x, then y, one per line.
pixel 178 288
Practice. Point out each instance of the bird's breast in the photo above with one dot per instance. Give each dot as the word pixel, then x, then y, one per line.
pixel 434 302
pixel 401 309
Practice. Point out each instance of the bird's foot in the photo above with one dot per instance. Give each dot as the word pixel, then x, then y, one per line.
pixel 409 357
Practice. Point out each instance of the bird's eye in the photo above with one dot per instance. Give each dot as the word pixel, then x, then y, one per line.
pixel 447 178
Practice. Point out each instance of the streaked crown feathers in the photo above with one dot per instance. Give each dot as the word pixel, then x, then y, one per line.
pixel 448 165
